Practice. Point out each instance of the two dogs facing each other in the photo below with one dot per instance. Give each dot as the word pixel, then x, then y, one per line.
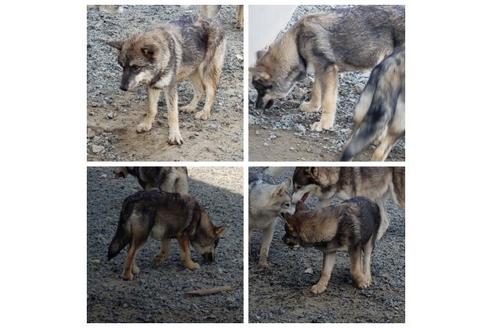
pixel 164 211
pixel 344 39
pixel 354 225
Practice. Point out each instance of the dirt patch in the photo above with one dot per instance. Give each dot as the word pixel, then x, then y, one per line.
pixel 275 131
pixel 158 293
pixel 112 115
pixel 282 293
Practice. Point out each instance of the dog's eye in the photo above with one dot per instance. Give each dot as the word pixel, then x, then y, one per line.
pixel 135 67
pixel 286 205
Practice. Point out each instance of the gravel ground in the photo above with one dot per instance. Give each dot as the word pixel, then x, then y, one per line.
pixel 112 115
pixel 282 293
pixel 282 132
pixel 157 294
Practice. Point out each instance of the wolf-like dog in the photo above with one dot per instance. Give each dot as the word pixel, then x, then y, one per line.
pixel 380 113
pixel 266 202
pixel 164 216
pixel 179 50
pixel 344 39
pixel 374 183
pixel 352 225
pixel 169 179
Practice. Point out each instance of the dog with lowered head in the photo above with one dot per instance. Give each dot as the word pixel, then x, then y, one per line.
pixel 352 225
pixel 169 179
pixel 164 216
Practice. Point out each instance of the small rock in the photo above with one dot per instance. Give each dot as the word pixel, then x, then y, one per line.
pixel 97 149
pixel 110 115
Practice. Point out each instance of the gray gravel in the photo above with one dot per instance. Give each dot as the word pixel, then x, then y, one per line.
pixel 285 115
pixel 157 294
pixel 112 115
pixel 282 293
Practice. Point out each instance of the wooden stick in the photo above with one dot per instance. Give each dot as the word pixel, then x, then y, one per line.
pixel 208 291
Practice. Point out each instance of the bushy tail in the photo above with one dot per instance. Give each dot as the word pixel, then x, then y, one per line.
pixel 382 89
pixel 123 235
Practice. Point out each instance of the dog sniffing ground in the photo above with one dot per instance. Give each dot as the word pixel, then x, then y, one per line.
pixel 281 293
pixel 113 115
pixel 282 132
pixel 157 293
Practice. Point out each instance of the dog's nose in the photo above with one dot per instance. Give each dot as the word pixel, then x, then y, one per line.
pixel 124 87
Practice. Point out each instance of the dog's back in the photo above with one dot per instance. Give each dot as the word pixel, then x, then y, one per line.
pixel 361 220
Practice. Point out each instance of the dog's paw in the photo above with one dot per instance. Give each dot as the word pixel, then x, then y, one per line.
pixel 318 288
pixel 363 282
pixel 320 126
pixel 188 109
pixel 203 115
pixel 308 107
pixel 192 265
pixel 263 264
pixel 175 138
pixel 127 275
pixel 158 260
pixel 144 127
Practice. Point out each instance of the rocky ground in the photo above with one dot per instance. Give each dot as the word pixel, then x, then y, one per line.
pixel 157 293
pixel 112 115
pixel 282 132
pixel 281 293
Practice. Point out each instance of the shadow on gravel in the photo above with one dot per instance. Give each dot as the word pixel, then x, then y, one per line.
pixel 281 293
pixel 157 293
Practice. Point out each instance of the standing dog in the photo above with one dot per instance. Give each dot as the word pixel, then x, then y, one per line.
pixel 161 58
pixel 164 216
pixel 349 39
pixel 266 203
pixel 380 112
pixel 169 179
pixel 353 225
pixel 374 183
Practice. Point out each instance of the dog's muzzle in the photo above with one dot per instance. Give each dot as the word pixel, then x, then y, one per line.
pixel 208 257
pixel 260 104
pixel 289 241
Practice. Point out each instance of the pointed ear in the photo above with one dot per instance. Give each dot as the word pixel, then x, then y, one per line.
pixel 283 187
pixel 219 231
pixel 260 54
pixel 115 44
pixel 149 51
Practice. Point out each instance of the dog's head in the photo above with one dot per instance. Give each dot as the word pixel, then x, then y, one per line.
pixel 142 58
pixel 281 198
pixel 206 236
pixel 321 176
pixel 274 76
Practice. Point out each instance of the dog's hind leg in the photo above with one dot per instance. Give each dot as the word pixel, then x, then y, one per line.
pixel 164 252
pixel 153 101
pixel 366 262
pixel 184 246
pixel 171 94
pixel 265 244
pixel 328 264
pixel 315 103
pixel 198 90
pixel 210 76
pixel 329 90
pixel 356 269
pixel 384 148
pixel 130 267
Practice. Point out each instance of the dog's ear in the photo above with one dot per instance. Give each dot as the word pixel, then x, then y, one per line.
pixel 115 44
pixel 149 51
pixel 283 187
pixel 219 231
pixel 260 54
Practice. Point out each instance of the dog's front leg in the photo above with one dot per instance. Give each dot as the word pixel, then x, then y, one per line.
pixel 184 246
pixel 153 100
pixel 315 103
pixel 171 94
pixel 329 90
pixel 328 264
pixel 265 244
